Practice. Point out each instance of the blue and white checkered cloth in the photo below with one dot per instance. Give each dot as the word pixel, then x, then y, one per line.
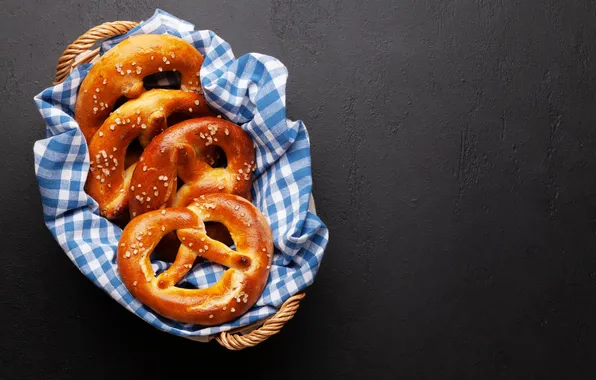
pixel 250 91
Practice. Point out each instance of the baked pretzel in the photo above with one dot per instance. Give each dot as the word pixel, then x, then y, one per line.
pixel 109 179
pixel 120 72
pixel 235 292
pixel 177 153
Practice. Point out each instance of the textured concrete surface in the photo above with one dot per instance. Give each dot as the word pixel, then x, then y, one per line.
pixel 454 162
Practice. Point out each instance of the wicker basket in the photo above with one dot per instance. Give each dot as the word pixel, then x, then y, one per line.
pixel 79 52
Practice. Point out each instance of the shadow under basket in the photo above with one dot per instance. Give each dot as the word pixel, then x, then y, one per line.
pixel 81 51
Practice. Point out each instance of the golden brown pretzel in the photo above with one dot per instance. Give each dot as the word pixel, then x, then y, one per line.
pixel 120 72
pixel 109 180
pixel 177 153
pixel 239 287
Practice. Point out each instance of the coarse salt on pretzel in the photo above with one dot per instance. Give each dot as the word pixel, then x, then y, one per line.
pixel 109 181
pixel 235 292
pixel 120 72
pixel 177 153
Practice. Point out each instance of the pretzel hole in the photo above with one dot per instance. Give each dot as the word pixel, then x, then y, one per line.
pixel 184 284
pixel 215 156
pixel 120 101
pixel 176 117
pixel 179 183
pixel 133 153
pixel 166 249
pixel 165 79
pixel 218 231
pixel 190 282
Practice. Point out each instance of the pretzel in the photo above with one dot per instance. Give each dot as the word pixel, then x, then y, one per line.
pixel 176 153
pixel 236 291
pixel 109 179
pixel 120 72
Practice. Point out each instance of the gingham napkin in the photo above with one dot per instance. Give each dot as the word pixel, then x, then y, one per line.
pixel 248 90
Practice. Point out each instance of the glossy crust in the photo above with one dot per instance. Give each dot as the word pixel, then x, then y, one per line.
pixel 120 72
pixel 178 152
pixel 239 287
pixel 109 178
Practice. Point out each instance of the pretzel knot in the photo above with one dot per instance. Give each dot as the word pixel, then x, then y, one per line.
pixel 235 292
pixel 121 70
pixel 178 152
pixel 143 118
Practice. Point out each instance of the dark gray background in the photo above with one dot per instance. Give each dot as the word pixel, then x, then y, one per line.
pixel 453 151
